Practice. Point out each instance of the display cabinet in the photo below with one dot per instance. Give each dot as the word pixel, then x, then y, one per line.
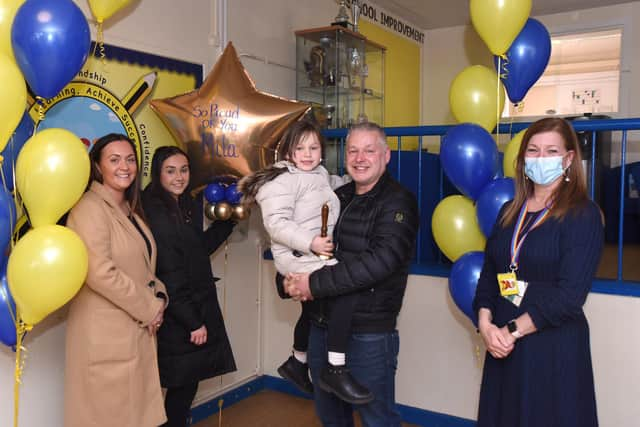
pixel 341 73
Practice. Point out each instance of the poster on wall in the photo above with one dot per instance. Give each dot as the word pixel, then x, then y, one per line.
pixel 111 95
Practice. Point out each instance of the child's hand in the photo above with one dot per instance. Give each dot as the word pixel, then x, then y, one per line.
pixel 322 246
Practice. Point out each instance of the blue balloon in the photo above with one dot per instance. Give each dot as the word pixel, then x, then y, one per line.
pixel 463 281
pixel 7 310
pixel 51 42
pixel 495 194
pixel 214 192
pixel 11 151
pixel 7 219
pixel 528 57
pixel 232 195
pixel 469 157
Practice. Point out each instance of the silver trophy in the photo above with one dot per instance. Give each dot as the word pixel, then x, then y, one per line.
pixel 342 18
pixel 355 13
pixel 354 66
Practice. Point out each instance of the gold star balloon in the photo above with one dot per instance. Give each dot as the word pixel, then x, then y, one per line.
pixel 227 126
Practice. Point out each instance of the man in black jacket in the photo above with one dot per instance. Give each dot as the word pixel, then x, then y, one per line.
pixel 375 240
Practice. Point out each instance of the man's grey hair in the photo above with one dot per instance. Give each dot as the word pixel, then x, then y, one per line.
pixel 369 127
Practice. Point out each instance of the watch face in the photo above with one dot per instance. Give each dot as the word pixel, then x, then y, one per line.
pixel 511 326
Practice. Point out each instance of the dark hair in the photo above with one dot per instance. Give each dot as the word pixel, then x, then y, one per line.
pixel 566 196
pixel 251 184
pixel 292 137
pixel 132 194
pixel 181 208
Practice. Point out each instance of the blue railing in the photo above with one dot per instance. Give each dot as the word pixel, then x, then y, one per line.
pixel 609 186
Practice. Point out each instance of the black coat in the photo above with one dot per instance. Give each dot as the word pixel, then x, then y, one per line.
pixel 375 241
pixel 185 268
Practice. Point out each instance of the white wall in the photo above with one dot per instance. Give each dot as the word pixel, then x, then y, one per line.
pixel 162 27
pixel 266 29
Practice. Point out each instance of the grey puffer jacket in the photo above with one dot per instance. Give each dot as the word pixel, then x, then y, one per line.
pixel 291 207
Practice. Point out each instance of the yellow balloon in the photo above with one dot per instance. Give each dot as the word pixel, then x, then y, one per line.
pixel 103 9
pixel 8 9
pixel 498 22
pixel 511 153
pixel 13 96
pixel 477 96
pixel 46 269
pixel 52 172
pixel 455 227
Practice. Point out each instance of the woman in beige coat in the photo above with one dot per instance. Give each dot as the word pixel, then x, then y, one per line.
pixel 111 371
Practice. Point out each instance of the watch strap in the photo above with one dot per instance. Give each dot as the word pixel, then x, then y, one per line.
pixel 512 327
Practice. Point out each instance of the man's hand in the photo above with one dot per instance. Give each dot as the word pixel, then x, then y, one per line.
pixel 297 285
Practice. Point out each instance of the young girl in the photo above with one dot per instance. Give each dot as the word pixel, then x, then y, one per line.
pixel 291 194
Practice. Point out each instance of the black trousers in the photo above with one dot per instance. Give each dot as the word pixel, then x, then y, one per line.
pixel 177 404
pixel 338 328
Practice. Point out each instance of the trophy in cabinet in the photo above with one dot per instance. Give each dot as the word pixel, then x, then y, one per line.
pixel 329 110
pixel 342 18
pixel 355 13
pixel 354 67
pixel 315 66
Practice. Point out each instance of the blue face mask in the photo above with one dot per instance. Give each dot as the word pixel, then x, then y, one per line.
pixel 543 170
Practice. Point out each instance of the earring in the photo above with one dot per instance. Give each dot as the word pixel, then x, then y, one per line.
pixel 566 174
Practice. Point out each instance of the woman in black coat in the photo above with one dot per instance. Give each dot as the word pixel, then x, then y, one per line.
pixel 192 342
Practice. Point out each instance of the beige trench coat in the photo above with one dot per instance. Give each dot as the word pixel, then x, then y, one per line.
pixel 111 369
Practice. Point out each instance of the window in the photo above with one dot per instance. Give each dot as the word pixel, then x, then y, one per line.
pixel 583 76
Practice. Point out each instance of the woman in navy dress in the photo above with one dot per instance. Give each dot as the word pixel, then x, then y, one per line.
pixel 539 263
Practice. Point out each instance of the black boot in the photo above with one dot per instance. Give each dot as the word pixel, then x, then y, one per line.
pixel 298 373
pixel 338 380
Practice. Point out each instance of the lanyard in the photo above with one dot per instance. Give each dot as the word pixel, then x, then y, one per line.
pixel 516 240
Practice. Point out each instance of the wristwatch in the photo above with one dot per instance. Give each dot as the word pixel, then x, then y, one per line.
pixel 513 329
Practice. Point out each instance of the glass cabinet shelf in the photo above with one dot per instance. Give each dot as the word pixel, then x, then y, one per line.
pixel 341 74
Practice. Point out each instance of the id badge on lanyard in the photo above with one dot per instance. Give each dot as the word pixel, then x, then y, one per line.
pixel 510 287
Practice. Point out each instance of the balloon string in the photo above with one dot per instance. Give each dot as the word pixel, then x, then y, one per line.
pixel 99 45
pixel 20 222
pixel 498 101
pixel 40 102
pixel 478 355
pixel 12 219
pixel 503 73
pixel 503 61
pixel 21 356
pixel 12 159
